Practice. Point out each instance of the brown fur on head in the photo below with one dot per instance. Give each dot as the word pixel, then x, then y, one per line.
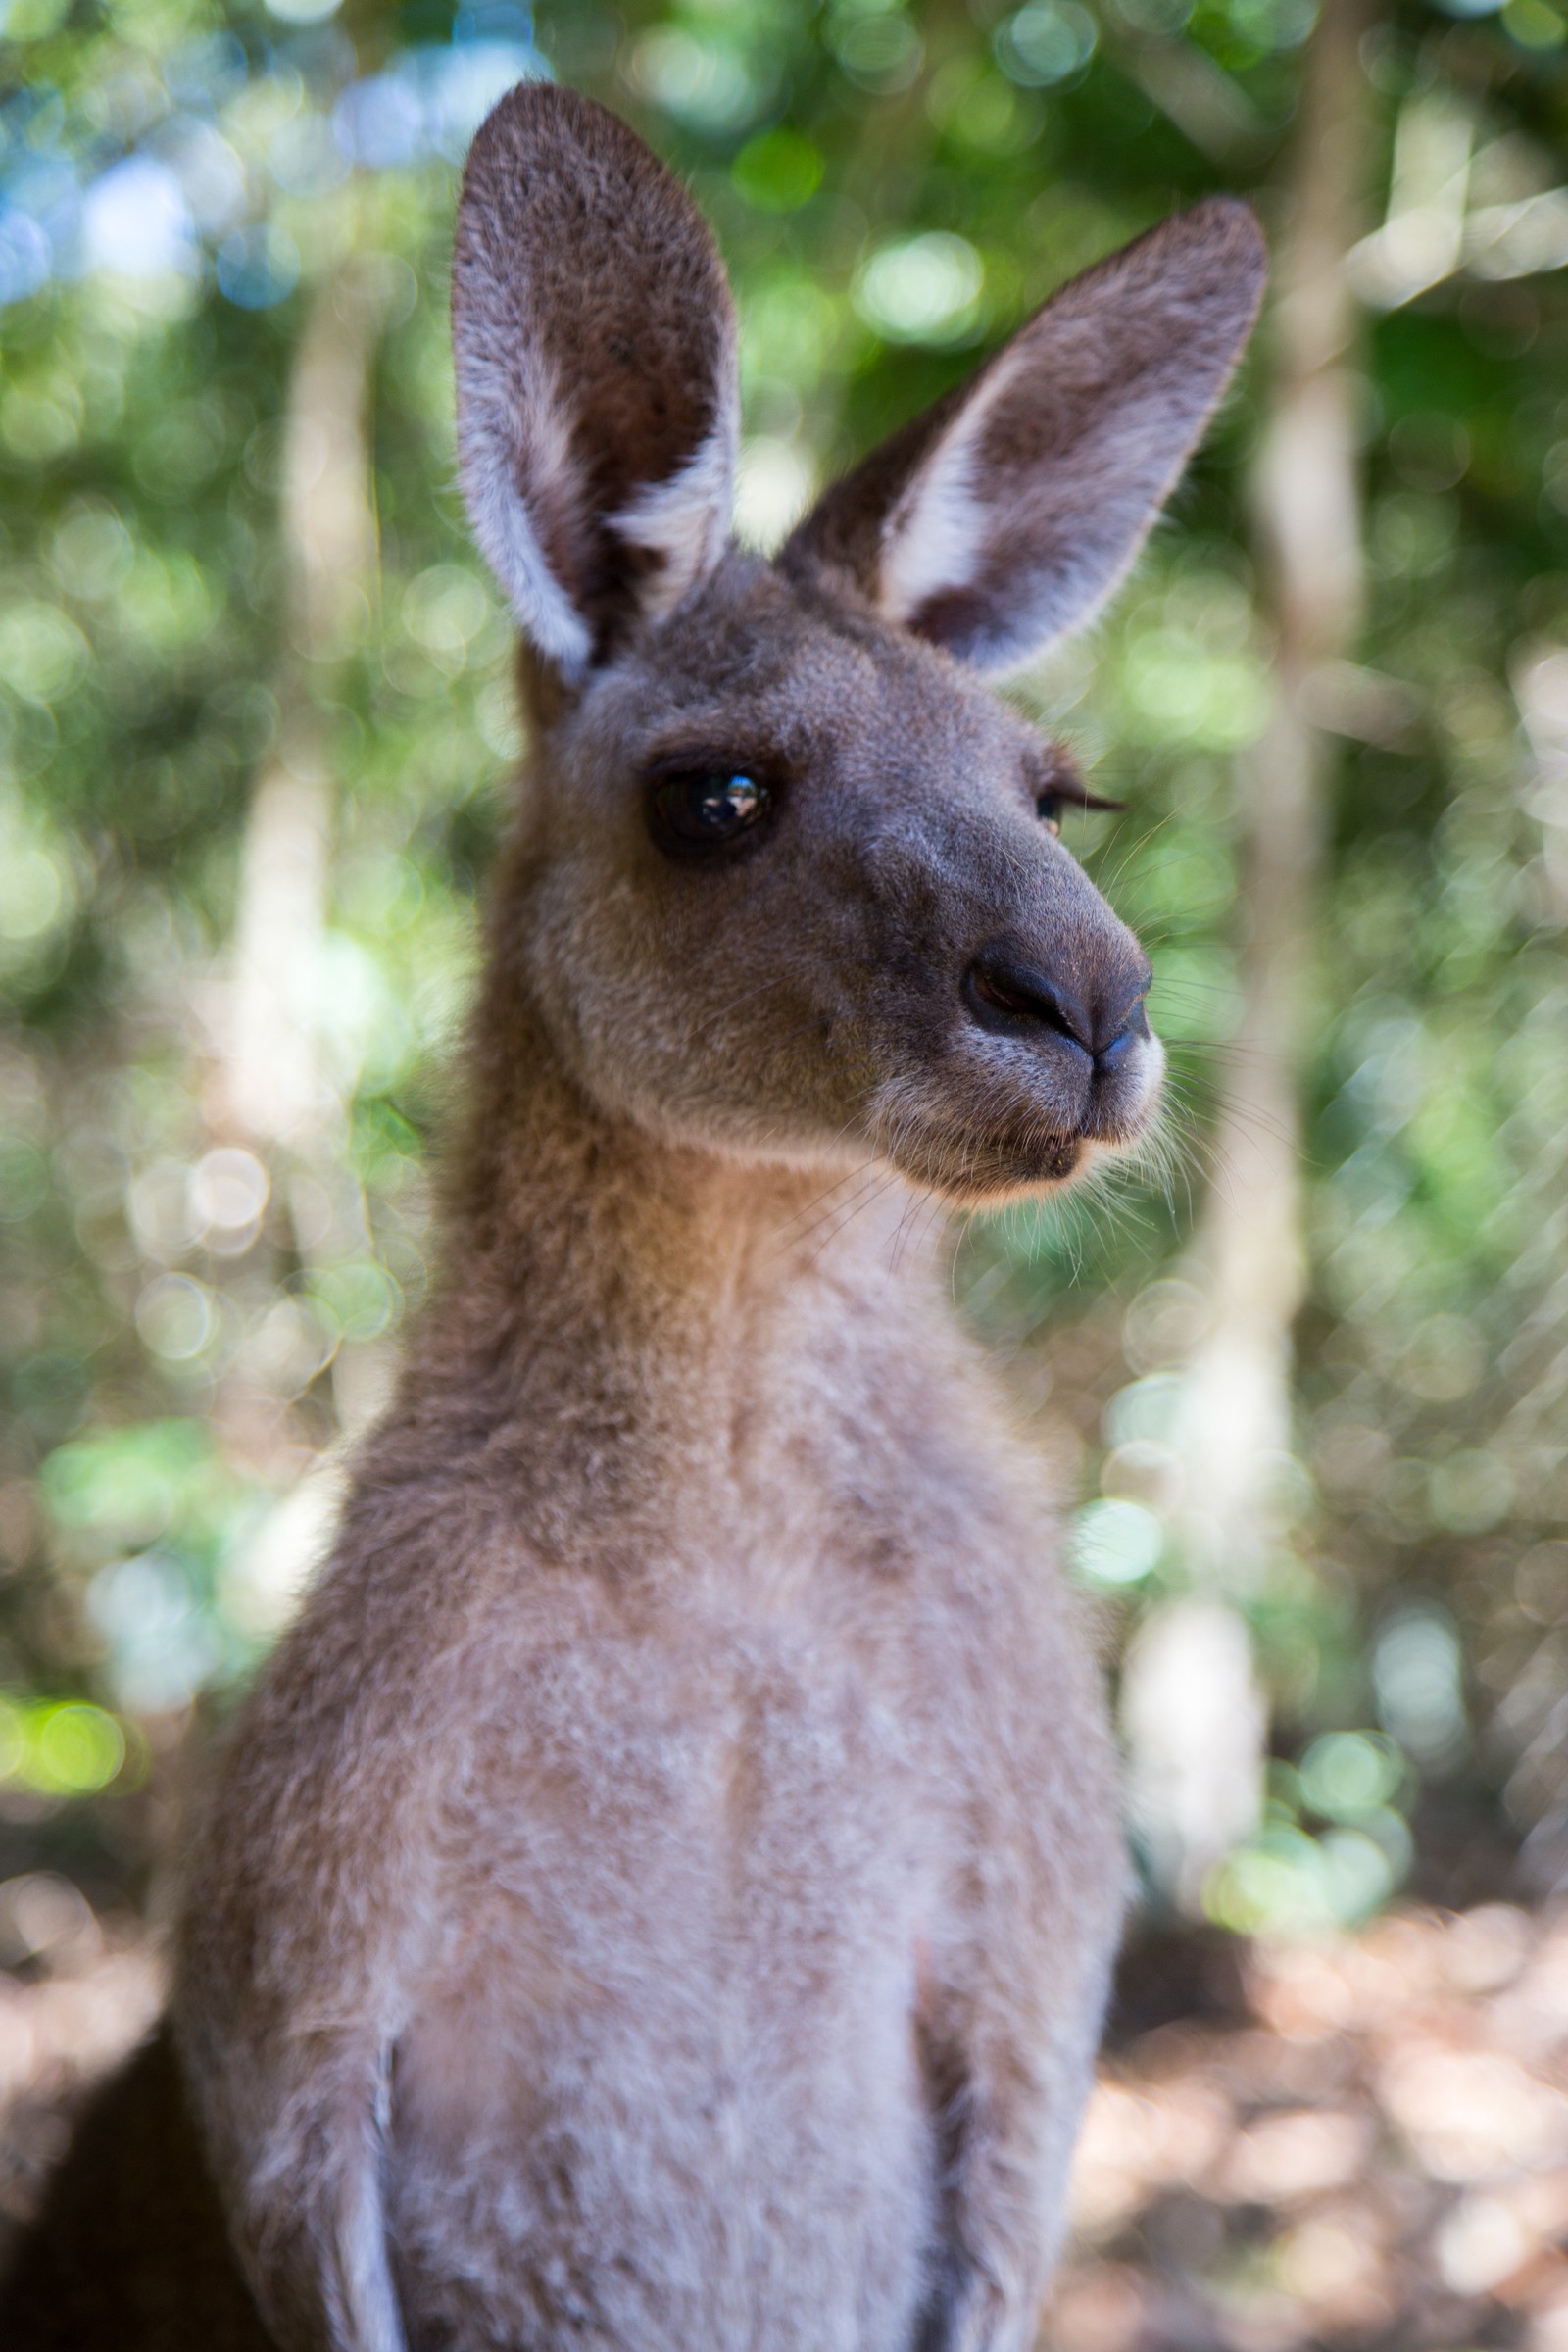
pixel 783 885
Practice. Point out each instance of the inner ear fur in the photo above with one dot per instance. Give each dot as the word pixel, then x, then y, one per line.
pixel 594 339
pixel 1005 514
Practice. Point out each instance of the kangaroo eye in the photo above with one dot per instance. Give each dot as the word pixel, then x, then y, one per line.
pixel 705 811
pixel 1048 807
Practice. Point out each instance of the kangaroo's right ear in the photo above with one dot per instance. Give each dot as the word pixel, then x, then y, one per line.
pixel 595 348
pixel 1008 513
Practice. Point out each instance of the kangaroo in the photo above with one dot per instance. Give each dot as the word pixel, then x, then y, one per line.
pixel 661 1896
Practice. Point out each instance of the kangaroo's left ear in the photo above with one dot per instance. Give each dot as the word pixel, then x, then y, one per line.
pixel 598 409
pixel 1007 513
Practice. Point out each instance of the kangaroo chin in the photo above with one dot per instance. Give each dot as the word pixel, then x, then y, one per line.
pixel 659 1896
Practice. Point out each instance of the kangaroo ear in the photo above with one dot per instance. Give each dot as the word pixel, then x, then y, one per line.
pixel 1009 511
pixel 595 348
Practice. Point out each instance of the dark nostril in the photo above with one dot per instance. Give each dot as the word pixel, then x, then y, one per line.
pixel 1134 1023
pixel 1003 990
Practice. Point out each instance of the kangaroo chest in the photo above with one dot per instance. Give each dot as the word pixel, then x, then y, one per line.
pixel 702 1787
pixel 670 2012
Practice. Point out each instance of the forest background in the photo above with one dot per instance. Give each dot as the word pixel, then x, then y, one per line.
pixel 1306 1382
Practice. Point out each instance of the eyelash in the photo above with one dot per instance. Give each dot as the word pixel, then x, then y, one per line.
pixel 1066 791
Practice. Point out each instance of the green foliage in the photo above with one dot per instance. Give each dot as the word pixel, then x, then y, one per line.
pixel 189 1315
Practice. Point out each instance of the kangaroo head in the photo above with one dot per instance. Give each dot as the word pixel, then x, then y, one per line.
pixel 788 882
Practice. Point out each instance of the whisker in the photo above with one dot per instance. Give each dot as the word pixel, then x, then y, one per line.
pixel 883 1178
pixel 869 1176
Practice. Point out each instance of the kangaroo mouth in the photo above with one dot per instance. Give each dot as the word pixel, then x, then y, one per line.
pixel 987 1132
pixel 971 1161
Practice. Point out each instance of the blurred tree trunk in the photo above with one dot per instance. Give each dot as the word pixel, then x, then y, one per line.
pixel 277 1088
pixel 1194 1718
pixel 272 1084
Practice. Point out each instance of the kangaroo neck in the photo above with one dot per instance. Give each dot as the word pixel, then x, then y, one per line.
pixel 633 1319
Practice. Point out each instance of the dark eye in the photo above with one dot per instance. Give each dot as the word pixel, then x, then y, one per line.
pixel 1048 807
pixel 705 811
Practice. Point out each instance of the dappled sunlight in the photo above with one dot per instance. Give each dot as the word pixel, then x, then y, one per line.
pixel 1374 2143
pixel 76 1992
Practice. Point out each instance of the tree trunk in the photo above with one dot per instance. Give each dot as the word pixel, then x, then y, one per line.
pixel 1194 1716
pixel 272 1086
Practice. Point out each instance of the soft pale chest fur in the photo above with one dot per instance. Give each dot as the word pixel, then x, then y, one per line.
pixel 712 1829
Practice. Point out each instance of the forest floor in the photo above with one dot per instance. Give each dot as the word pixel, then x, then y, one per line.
pixel 1359 2144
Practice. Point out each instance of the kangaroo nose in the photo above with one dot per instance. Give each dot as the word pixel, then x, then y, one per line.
pixel 1102 1017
